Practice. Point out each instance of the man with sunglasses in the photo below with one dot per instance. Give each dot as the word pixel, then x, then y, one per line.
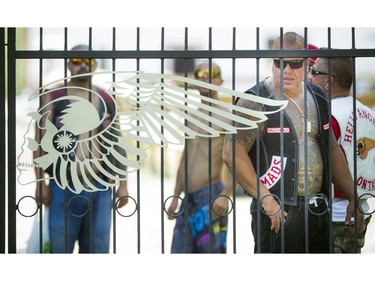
pixel 289 207
pixel 85 217
pixel 335 76
pixel 199 154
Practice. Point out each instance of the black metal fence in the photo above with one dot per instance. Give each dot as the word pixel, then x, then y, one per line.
pixel 17 75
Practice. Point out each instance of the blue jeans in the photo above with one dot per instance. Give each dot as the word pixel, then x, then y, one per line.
pixel 199 239
pixel 294 229
pixel 84 217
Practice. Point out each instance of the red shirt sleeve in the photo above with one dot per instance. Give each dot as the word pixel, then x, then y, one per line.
pixel 336 130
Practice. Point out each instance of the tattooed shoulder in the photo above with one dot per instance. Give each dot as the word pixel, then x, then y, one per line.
pixel 246 137
pixel 249 104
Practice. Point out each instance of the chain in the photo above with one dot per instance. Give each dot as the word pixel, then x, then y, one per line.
pixel 300 110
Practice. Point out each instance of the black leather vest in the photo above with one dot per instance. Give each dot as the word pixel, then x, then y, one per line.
pixel 270 142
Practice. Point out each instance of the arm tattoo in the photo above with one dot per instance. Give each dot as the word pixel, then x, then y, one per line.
pixel 246 137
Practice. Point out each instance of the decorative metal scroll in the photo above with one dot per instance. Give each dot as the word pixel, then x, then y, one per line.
pixel 151 109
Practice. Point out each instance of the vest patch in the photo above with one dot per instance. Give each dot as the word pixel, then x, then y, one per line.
pixel 364 146
pixel 275 130
pixel 273 174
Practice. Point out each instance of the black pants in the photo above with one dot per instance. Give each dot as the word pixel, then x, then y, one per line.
pixel 295 228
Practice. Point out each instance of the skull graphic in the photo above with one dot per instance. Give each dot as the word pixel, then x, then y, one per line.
pixel 79 147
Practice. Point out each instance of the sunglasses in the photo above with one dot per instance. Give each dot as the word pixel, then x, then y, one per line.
pixel 317 72
pixel 200 73
pixel 79 61
pixel 294 64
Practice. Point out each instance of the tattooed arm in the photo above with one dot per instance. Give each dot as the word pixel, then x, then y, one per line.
pixel 244 169
pixel 343 179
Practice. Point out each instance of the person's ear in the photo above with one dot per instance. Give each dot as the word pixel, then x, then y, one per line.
pixel 329 83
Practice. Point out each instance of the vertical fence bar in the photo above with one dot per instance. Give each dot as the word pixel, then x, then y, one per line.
pixel 162 155
pixel 257 143
pixel 39 172
pixel 186 153
pixel 90 199
pixel 234 148
pixel 356 202
pixel 305 119
pixel 329 148
pixel 12 228
pixel 114 227
pixel 282 186
pixel 210 229
pixel 66 228
pixel 3 61
pixel 138 159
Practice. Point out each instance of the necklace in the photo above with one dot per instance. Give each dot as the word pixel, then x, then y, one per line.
pixel 303 115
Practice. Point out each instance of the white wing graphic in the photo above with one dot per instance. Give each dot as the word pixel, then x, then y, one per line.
pixel 152 102
pixel 94 146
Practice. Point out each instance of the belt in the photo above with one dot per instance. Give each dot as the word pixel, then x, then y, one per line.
pixel 315 203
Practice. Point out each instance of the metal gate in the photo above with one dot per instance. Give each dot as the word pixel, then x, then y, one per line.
pixel 177 57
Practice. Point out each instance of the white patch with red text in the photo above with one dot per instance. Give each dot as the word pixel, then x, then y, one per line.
pixel 276 130
pixel 273 175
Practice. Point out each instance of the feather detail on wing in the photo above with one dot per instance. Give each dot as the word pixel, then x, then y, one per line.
pixel 156 110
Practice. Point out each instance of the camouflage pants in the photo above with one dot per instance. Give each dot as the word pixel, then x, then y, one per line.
pixel 343 236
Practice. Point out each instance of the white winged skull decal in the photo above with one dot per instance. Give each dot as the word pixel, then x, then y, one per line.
pixel 147 108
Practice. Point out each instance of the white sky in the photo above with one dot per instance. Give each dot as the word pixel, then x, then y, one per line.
pixel 198 13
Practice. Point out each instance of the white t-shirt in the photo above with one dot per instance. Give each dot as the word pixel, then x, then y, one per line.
pixel 342 111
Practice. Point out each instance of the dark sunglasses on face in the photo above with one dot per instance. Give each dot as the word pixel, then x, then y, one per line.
pixel 294 64
pixel 79 61
pixel 200 73
pixel 318 72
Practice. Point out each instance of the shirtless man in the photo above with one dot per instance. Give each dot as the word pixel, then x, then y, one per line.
pixel 198 181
